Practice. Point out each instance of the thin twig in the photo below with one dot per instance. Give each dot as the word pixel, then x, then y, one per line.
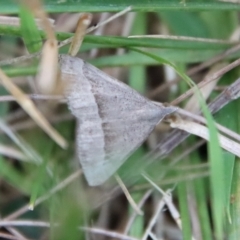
pixel 117 15
pixel 27 150
pixel 54 190
pixel 12 153
pixel 173 180
pixel 83 22
pixel 20 59
pixel 128 196
pixel 152 235
pixel 65 42
pixel 184 38
pixel 134 215
pixel 181 156
pixel 113 235
pixel 10 237
pixel 16 233
pixel 196 69
pixel 31 124
pixel 214 76
pixel 203 132
pixel 168 200
pixel 15 21
pixel 10 98
pixel 167 144
pixel 25 223
pixel 153 220
pixel 31 109
pixel 201 119
pixel 99 31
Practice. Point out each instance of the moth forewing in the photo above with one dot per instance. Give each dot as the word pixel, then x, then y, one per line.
pixel 113 119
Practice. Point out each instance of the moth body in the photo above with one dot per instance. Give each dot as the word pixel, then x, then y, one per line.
pixel 113 119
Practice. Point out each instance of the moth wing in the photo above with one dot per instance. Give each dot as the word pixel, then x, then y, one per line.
pixel 113 119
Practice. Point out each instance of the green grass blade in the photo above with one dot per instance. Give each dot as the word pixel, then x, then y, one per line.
pixel 214 153
pixel 29 31
pixel 184 211
pixel 53 6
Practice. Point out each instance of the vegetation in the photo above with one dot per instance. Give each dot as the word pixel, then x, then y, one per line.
pixel 187 191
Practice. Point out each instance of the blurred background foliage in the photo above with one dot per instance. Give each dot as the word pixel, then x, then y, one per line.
pixel 53 185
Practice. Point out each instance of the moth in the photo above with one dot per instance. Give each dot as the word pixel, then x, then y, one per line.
pixel 113 119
